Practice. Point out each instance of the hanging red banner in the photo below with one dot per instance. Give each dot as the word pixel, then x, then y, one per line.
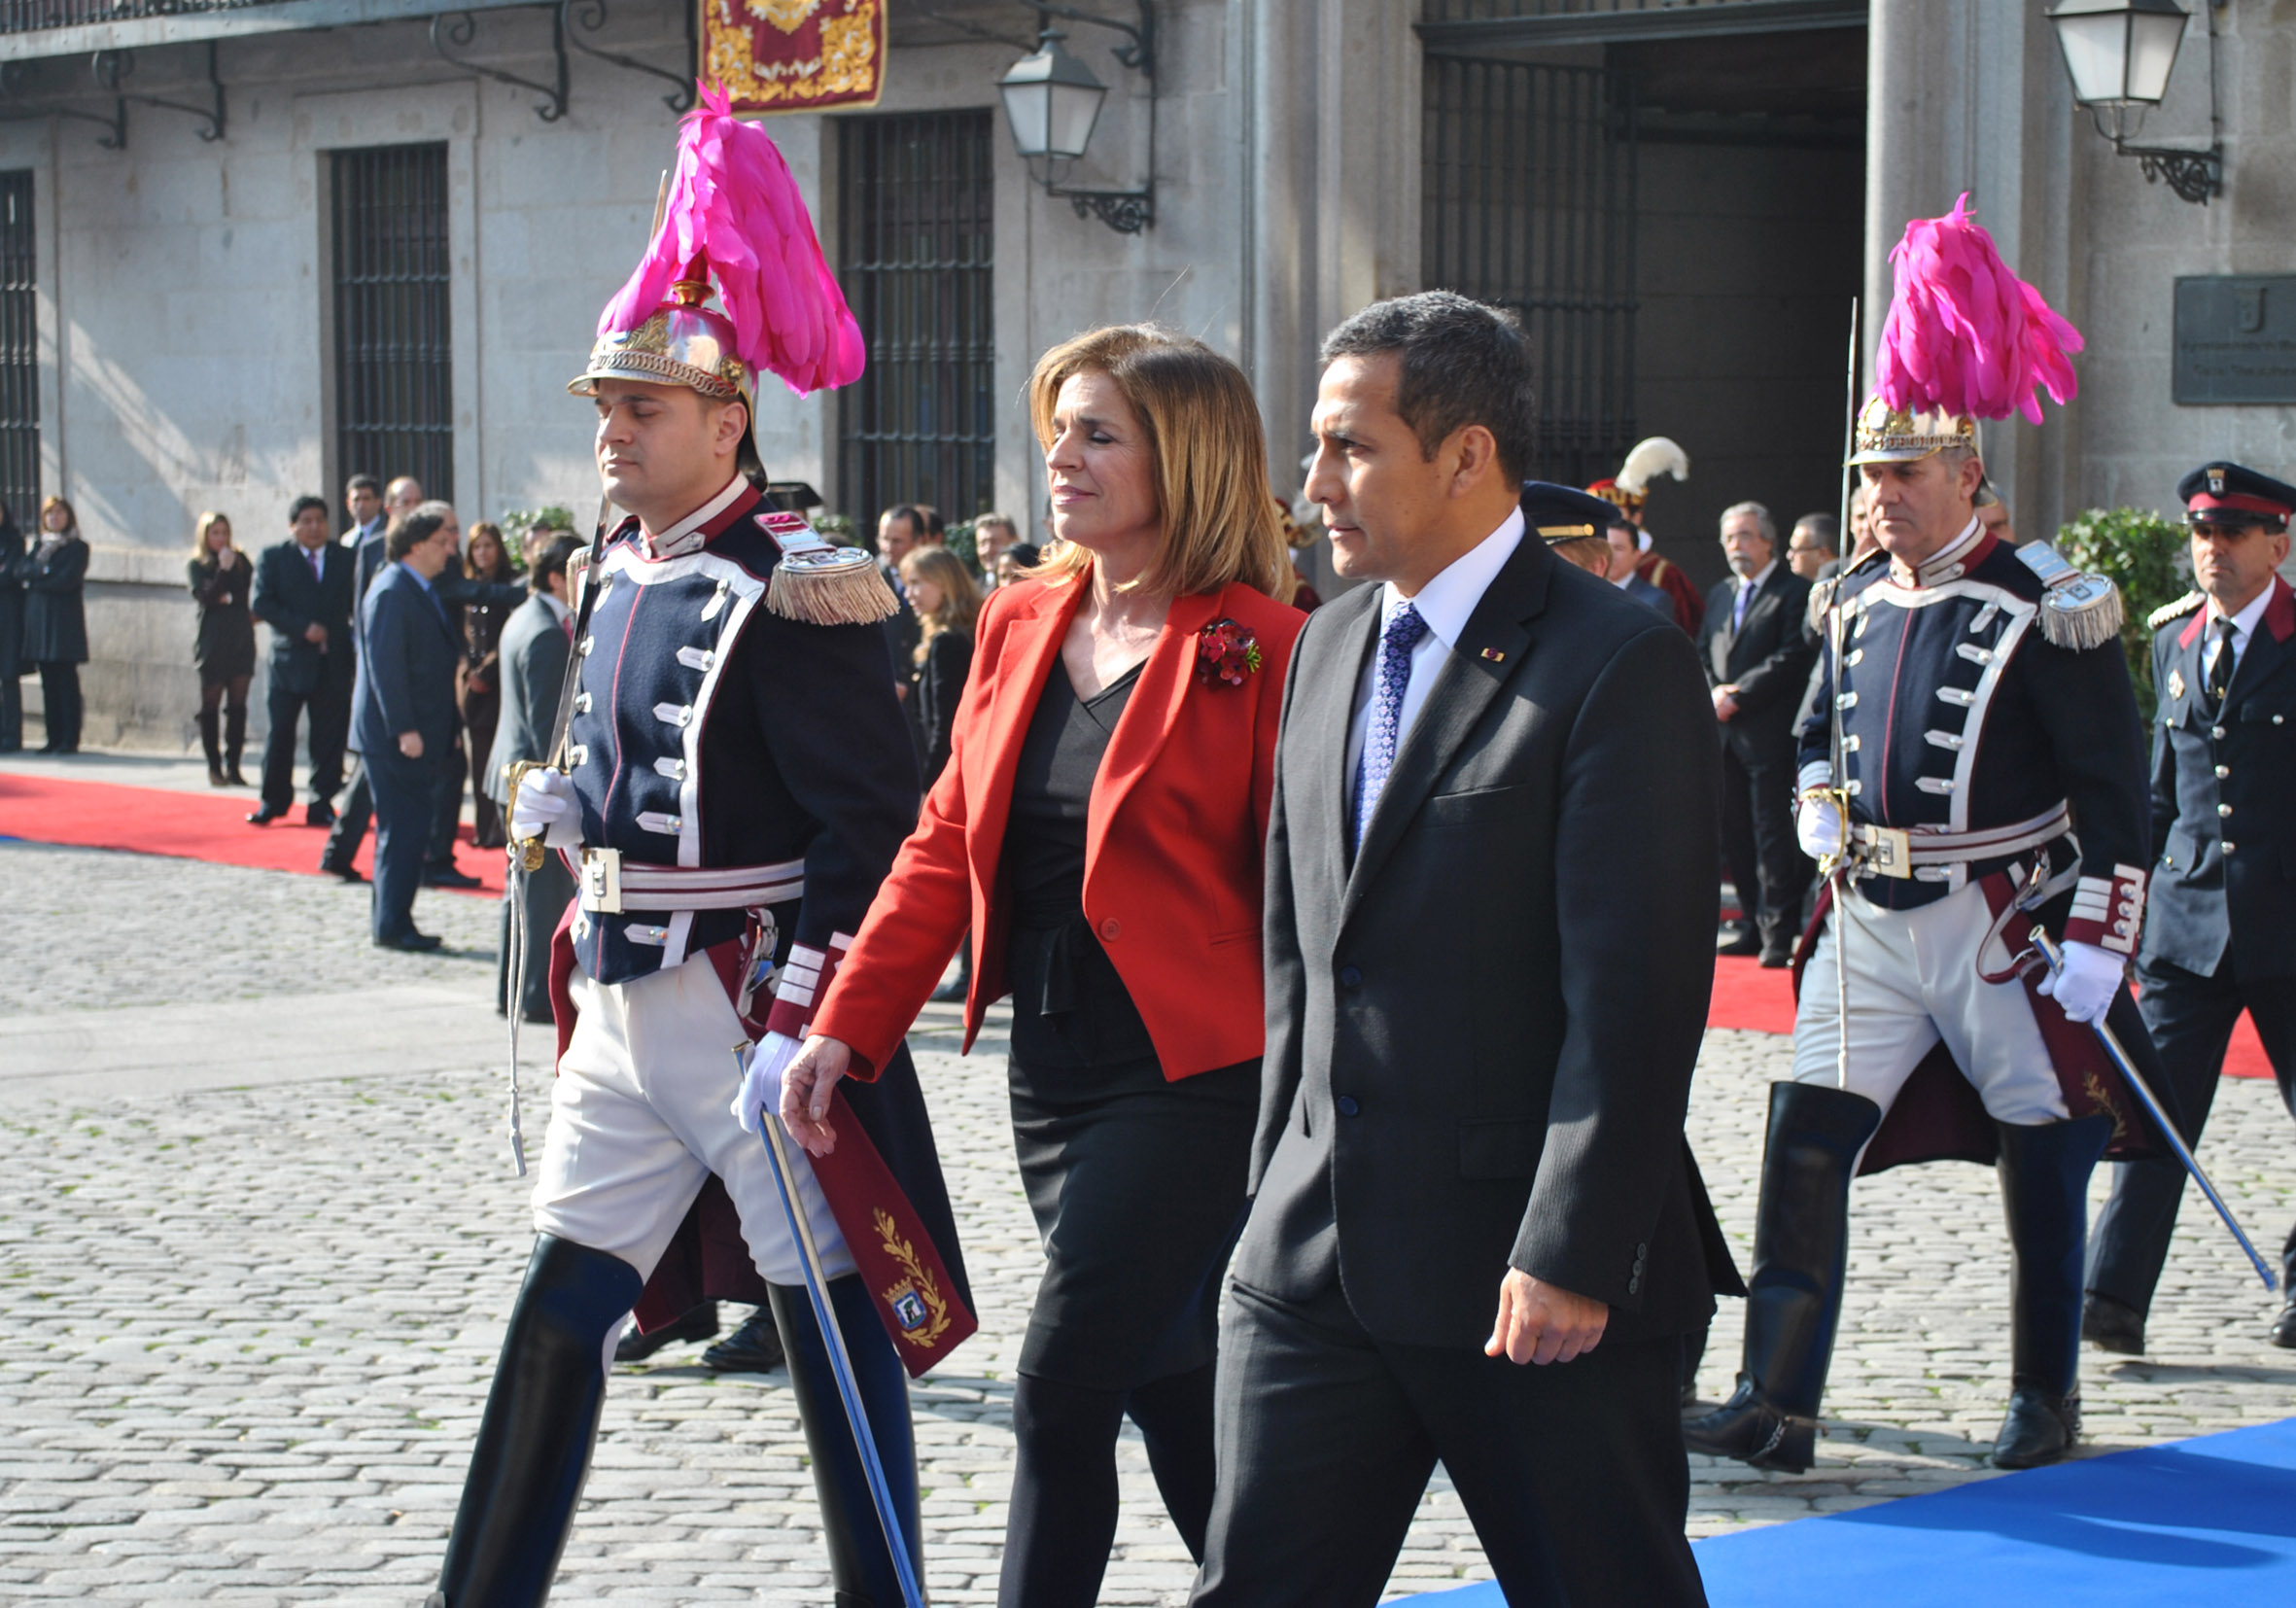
pixel 794 55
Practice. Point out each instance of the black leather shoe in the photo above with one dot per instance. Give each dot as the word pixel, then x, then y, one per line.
pixel 2113 1326
pixel 755 1348
pixel 446 876
pixel 265 816
pixel 951 994
pixel 701 1323
pixel 2040 1430
pixel 1777 959
pixel 1755 1432
pixel 348 873
pixel 1745 942
pixel 319 814
pixel 414 942
pixel 544 1019
pixel 2283 1329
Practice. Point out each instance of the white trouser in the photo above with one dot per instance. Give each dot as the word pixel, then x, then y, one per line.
pixel 641 1112
pixel 1913 979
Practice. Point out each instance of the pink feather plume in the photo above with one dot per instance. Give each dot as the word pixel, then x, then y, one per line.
pixel 1966 335
pixel 732 200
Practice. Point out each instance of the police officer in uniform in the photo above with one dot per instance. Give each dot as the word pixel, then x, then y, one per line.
pixel 1984 704
pixel 738 780
pixel 2221 938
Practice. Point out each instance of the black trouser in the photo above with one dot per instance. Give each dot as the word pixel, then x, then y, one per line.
pixel 11 713
pixel 1574 1472
pixel 404 794
pixel 2190 1019
pixel 349 822
pixel 222 721
pixel 1768 867
pixel 446 808
pixel 548 891
pixel 329 712
pixel 59 703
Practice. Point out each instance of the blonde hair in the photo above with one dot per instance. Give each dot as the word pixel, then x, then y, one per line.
pixel 961 599
pixel 208 521
pixel 1208 459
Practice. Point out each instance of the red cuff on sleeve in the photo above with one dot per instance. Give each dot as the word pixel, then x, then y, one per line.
pixel 2108 911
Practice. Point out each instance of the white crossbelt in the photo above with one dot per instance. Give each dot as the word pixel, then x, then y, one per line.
pixel 609 885
pixel 1925 845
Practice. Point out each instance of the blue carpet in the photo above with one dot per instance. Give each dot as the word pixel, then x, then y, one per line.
pixel 2208 1521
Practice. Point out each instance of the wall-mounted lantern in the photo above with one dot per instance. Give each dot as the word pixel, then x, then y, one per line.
pixel 2119 55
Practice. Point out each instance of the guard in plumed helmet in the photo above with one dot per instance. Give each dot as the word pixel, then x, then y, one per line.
pixel 1981 709
pixel 735 780
pixel 2221 936
pixel 1628 491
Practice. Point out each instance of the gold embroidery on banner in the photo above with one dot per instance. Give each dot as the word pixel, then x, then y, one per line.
pixel 919 1285
pixel 788 15
pixel 847 69
pixel 2094 1087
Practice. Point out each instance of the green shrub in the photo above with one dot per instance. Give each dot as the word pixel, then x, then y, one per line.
pixel 2145 555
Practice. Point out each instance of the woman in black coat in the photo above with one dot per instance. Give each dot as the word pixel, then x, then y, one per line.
pixel 221 577
pixel 55 625
pixel 486 558
pixel 948 604
pixel 12 632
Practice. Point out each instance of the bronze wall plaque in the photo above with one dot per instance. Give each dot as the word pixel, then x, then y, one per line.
pixel 2235 339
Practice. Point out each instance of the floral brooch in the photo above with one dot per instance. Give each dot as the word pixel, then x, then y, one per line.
pixel 1226 651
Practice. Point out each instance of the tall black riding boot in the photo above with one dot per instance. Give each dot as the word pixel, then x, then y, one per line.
pixel 2045 1195
pixel 542 1415
pixel 860 1563
pixel 211 745
pixel 1801 1248
pixel 235 740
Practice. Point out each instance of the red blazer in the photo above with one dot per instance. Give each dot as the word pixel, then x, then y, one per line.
pixel 1173 838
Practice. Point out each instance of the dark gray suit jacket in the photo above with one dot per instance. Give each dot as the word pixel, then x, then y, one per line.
pixel 535 648
pixel 1480 1033
pixel 1767 658
pixel 406 665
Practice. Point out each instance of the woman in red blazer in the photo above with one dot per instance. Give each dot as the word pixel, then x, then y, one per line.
pixel 1101 825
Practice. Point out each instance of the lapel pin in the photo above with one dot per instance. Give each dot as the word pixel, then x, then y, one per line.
pixel 1495 655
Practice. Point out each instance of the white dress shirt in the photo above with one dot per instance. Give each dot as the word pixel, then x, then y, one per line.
pixel 1444 604
pixel 2244 626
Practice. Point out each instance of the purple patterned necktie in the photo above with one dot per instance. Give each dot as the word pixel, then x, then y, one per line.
pixel 1398 635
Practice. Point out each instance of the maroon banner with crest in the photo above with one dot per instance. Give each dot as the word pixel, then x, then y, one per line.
pixel 794 55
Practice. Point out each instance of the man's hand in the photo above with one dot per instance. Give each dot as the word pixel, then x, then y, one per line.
pixel 410 744
pixel 1726 701
pixel 315 632
pixel 806 1084
pixel 1544 1323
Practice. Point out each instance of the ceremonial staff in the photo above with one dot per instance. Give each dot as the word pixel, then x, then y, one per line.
pixel 841 1365
pixel 2054 958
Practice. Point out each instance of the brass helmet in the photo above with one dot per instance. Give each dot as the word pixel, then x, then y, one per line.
pixel 683 342
pixel 1891 436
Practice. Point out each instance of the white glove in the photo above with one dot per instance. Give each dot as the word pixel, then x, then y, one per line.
pixel 545 808
pixel 1817 828
pixel 761 1081
pixel 2084 989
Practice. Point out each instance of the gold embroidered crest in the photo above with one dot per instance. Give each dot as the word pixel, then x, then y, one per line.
pixel 788 15
pixel 918 1304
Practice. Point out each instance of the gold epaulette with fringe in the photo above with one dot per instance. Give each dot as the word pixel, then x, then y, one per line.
pixel 821 583
pixel 2078 610
pixel 2182 607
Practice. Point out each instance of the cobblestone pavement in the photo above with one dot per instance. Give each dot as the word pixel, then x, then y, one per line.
pixel 245 1334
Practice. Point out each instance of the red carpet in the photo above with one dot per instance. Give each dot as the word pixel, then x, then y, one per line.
pixel 154 820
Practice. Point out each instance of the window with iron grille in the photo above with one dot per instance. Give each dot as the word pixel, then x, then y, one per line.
pixel 393 377
pixel 19 356
pixel 914 228
pixel 1529 202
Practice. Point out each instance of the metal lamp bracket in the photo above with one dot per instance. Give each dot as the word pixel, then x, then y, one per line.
pixel 580 17
pixel 13 74
pixel 1125 211
pixel 110 67
pixel 461 27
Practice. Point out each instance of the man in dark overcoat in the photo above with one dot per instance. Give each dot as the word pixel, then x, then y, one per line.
pixel 1473 1236
pixel 304 592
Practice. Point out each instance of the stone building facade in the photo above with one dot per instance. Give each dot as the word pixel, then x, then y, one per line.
pixel 1683 196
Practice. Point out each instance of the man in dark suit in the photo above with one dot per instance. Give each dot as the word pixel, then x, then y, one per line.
pixel 371 510
pixel 406 720
pixel 2221 938
pixel 302 592
pixel 1758 653
pixel 537 640
pixel 1473 1237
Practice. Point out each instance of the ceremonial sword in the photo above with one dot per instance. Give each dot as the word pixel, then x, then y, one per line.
pixel 841 1364
pixel 1839 792
pixel 2054 957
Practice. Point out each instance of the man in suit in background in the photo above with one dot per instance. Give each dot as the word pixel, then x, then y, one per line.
pixel 405 717
pixel 537 640
pixel 302 592
pixel 1758 653
pixel 1623 539
pixel 1473 1237
pixel 372 513
pixel 2220 936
